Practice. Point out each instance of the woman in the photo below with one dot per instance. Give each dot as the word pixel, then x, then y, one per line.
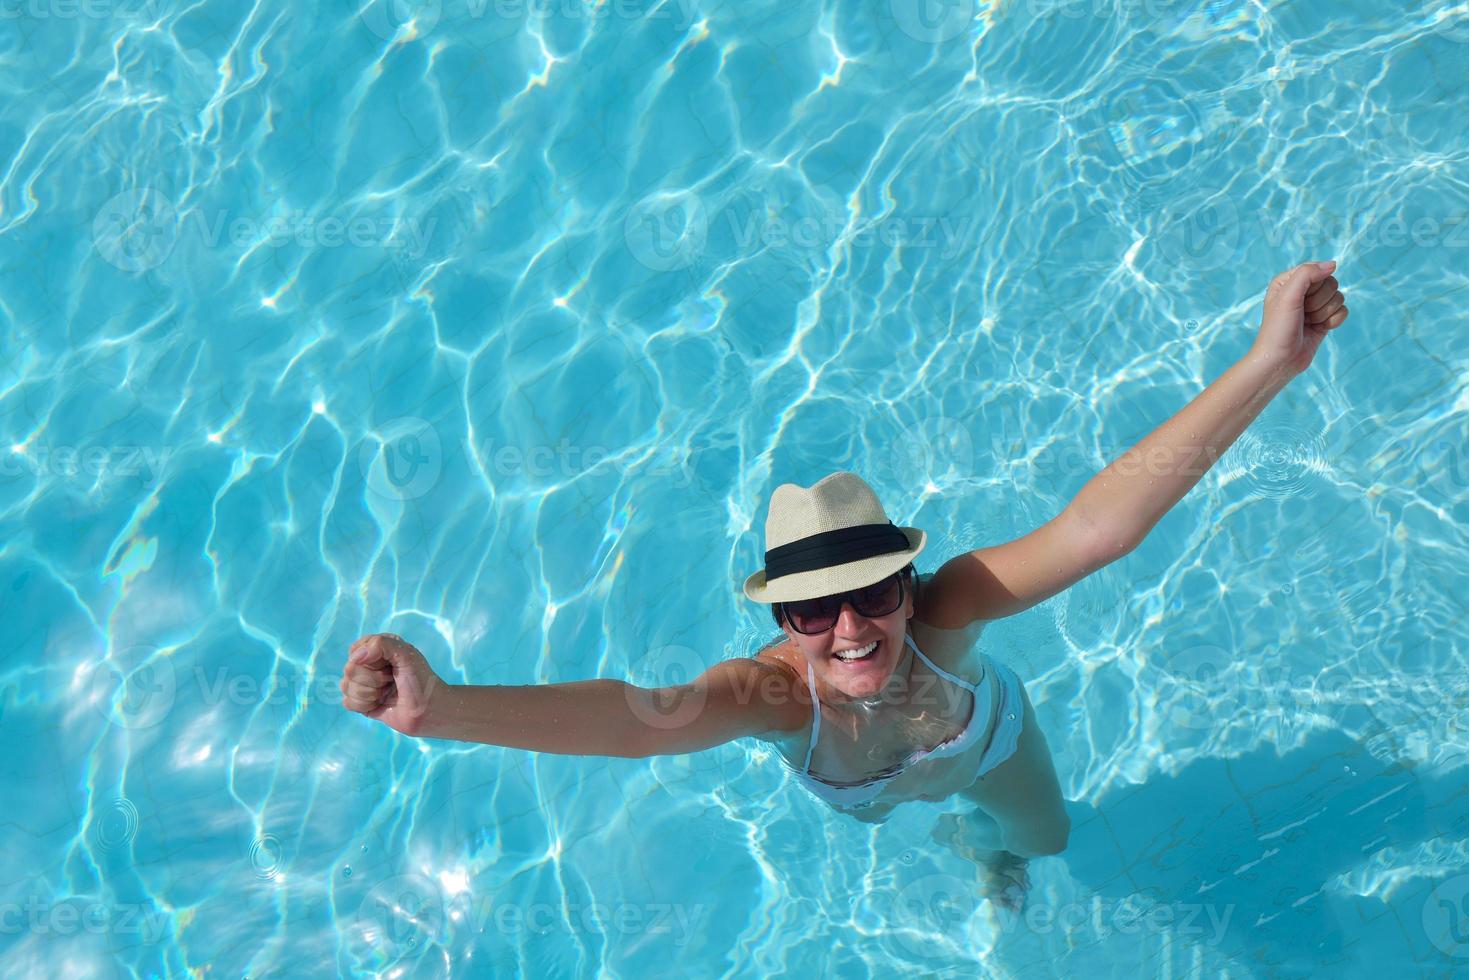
pixel 877 694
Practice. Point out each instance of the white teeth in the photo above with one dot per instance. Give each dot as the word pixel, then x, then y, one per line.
pixel 857 654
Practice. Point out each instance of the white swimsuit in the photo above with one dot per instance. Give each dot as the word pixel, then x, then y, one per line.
pixel 1001 746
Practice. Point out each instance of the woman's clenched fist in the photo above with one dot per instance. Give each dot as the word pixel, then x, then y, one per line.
pixel 388 680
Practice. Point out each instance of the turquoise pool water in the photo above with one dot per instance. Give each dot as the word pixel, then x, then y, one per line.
pixel 495 324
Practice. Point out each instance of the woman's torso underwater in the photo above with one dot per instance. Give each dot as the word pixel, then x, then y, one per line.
pixel 855 744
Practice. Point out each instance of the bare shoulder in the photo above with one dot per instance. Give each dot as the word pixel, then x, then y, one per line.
pixel 782 655
pixel 783 663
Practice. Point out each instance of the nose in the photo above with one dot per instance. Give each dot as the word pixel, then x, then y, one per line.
pixel 851 619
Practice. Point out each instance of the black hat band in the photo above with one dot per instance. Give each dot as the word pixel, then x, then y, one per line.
pixel 839 547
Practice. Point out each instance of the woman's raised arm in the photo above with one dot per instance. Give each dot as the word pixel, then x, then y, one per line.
pixel 1117 508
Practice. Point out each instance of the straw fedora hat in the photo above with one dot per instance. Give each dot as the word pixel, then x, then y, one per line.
pixel 829 538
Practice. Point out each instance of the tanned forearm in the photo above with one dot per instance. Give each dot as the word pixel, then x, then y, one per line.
pixel 593 717
pixel 1132 494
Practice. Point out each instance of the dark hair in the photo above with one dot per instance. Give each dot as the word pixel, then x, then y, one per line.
pixel 907 571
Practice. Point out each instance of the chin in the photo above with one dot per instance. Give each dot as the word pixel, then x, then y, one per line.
pixel 865 689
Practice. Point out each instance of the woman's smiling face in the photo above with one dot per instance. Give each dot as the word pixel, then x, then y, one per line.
pixel 878 639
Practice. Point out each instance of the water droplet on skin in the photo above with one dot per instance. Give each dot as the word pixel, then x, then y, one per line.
pixel 346 872
pixel 1012 716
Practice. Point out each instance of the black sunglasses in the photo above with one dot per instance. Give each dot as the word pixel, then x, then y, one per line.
pixel 812 616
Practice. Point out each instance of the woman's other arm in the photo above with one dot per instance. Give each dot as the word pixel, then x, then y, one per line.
pixel 1117 508
pixel 1128 498
pixel 389 680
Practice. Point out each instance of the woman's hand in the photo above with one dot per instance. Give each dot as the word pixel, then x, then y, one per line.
pixel 1301 305
pixel 388 680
